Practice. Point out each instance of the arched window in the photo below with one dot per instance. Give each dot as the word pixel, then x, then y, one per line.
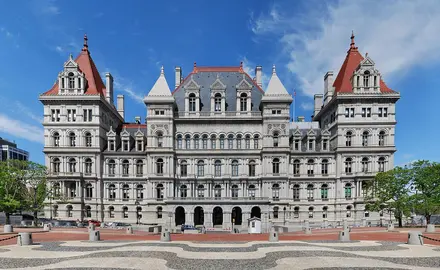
pixel 366 79
pixel 324 192
pixel 187 141
pixel 252 168
pixel 56 165
pixel 365 164
pixel 217 168
pixel 111 212
pixel 276 191
pixel 275 139
pixel 140 192
pixel 348 136
pixel 56 190
pixel 365 135
pixel 256 140
pixel 125 167
pixel 238 141
pixel 183 168
pixel 382 138
pixel 310 191
pixel 275 211
pixel 218 102
pixel 125 212
pixel 234 191
pixel 248 142
pixel 276 166
pixel 243 102
pixel 200 191
pixel 139 167
pixel 205 141
pixel 72 165
pixel 213 142
pixel 200 168
pixel 348 165
pixel 183 191
pixel 196 141
pixel 125 192
pixel 138 212
pixel 296 212
pixel 348 211
pixel 347 191
pixel 111 167
pixel 159 212
pixel 56 139
pixel 88 139
pixel 192 102
pixel 111 192
pixel 251 191
pixel 381 164
pixel 296 192
pixel 72 139
pixel 159 166
pixel 310 167
pixel 179 141
pixel 230 141
pixel 69 211
pixel 217 191
pixel 88 211
pixel 324 212
pixel 88 165
pixel 89 191
pixel 324 167
pixel 71 80
pixel 222 141
pixel 159 191
pixel 159 137
pixel 310 212
pixel 234 168
pixel 296 167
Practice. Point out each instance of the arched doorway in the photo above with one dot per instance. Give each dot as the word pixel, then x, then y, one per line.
pixel 217 216
pixel 256 212
pixel 180 216
pixel 198 216
pixel 236 216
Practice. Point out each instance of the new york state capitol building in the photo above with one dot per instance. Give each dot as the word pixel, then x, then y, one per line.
pixel 217 149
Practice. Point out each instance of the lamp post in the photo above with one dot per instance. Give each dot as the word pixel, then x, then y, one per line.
pixel 137 212
pixel 284 210
pixel 170 215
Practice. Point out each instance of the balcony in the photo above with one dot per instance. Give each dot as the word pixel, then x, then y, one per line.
pixel 218 115
pixel 224 199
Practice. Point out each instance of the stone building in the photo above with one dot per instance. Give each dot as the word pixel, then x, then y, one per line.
pixel 218 149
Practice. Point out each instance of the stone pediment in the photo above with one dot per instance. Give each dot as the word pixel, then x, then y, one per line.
pixel 139 133
pixel 111 132
pixel 244 84
pixel 311 133
pixel 125 133
pixel 192 85
pixel 218 85
pixel 325 133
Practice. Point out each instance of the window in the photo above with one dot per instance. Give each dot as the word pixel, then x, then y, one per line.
pixel 69 210
pixel 89 191
pixel 196 142
pixel 276 111
pixel 213 142
pixel 56 165
pixel 296 212
pixel 87 115
pixel 248 142
pixel 125 212
pixel 251 191
pixel 139 192
pixel 125 192
pixel 366 112
pixel 139 145
pixel 71 80
pixel 348 137
pixel 347 191
pixel 200 191
pixel 217 168
pixel 275 139
pixel 275 211
pixel 349 112
pixel 200 168
pixel 375 81
pixel 192 102
pixel 125 167
pixel 310 192
pixel 231 141
pixel 276 166
pixel 112 192
pixel 111 212
pixel 159 192
pixel 179 141
pixel 364 164
pixel 348 165
pixel 159 139
pixel 72 165
pixel 111 144
pixel 296 167
pixel 139 167
pixel 159 166
pixel 366 79
pixel 310 212
pixel 348 211
pixel 252 168
pixel 88 139
pixel 383 112
pixel 324 212
pixel 324 167
pixel 183 168
pixel 159 212
pixel 125 146
pixel 234 191
pixel 218 102
pixel 72 139
pixel 276 191
pixel 310 167
pixel 71 115
pixel 311 144
pixel 88 211
pixel 296 191
pixel 234 166
pixel 88 165
pixel 56 139
pixel 325 144
pixel 238 141
pixel 366 214
pixel 365 135
pixel 111 167
pixel 243 102
pixel 222 141
pixel 217 191
pixel 55 116
pixel 324 192
pixel 205 142
pixel 382 138
pixel 296 144
pixel 357 80
pixel 183 191
pixel 381 164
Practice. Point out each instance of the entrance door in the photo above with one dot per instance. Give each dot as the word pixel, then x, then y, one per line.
pixel 256 212
pixel 236 216
pixel 199 216
pixel 217 216
pixel 180 216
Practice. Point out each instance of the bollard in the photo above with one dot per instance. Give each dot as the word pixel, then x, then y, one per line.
pixel 46 227
pixel 23 223
pixel 24 239
pixel 102 225
pixel 430 228
pixel 156 229
pixel 308 230
pixel 33 224
pixel 91 227
pixel 129 230
pixel 94 236
pixel 414 238
pixel 273 236
pixel 344 235
pixel 345 225
pixel 390 226
pixel 165 237
pixel 8 228
pixel 364 222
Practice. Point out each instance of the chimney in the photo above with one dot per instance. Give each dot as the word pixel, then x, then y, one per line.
pixel 300 118
pixel 178 76
pixel 109 87
pixel 137 119
pixel 258 75
pixel 328 87
pixel 120 106
pixel 318 103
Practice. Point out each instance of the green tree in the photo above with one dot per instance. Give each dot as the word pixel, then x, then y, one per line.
pixel 391 193
pixel 425 186
pixel 11 187
pixel 35 177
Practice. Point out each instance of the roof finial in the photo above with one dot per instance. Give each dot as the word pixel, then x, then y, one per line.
pixel 70 57
pixel 273 69
pixel 352 40
pixel 195 64
pixel 86 46
pixel 366 55
pixel 161 70
pixel 241 64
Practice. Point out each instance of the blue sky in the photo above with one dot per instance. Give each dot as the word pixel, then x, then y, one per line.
pixel 303 38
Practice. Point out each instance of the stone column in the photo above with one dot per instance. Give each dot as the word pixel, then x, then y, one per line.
pixel 227 220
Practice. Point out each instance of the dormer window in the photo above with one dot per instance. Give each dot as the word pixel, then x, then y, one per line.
pixel 311 144
pixel 111 145
pixel 139 145
pixel 324 144
pixel 366 79
pixel 218 102
pixel 296 144
pixel 192 102
pixel 125 145
pixel 71 80
pixel 243 102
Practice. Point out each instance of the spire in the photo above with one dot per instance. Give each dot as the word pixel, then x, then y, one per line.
pixel 195 68
pixel 274 72
pixel 86 46
pixel 161 91
pixel 276 92
pixel 70 57
pixel 352 44
pixel 161 71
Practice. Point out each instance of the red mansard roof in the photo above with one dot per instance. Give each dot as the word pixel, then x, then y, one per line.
pixel 95 85
pixel 342 83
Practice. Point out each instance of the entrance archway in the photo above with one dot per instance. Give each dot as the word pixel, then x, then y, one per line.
pixel 199 216
pixel 236 216
pixel 180 216
pixel 256 212
pixel 217 216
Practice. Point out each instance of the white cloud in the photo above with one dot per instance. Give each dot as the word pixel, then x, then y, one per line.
pixel 307 106
pixel 59 49
pixel 25 110
pixel 249 68
pixel 397 35
pixel 127 88
pixel 21 130
pixel 49 7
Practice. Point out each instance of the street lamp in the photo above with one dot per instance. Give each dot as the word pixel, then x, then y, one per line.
pixel 284 210
pixel 137 212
